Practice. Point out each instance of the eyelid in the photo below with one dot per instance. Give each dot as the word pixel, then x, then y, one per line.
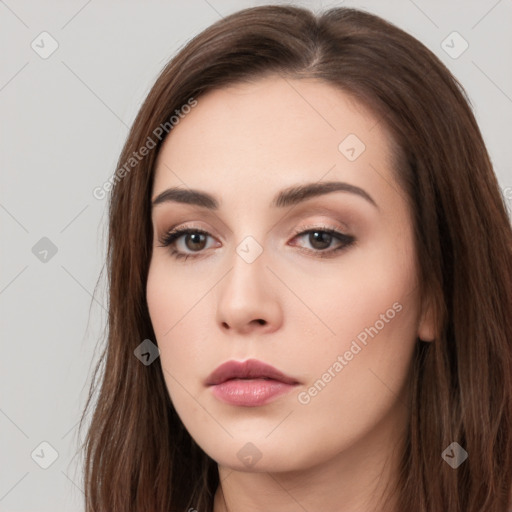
pixel 170 237
pixel 181 231
pixel 319 225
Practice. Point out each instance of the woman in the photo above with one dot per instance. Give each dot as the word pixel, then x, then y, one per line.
pixel 306 222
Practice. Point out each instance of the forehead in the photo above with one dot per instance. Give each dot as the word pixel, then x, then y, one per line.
pixel 275 129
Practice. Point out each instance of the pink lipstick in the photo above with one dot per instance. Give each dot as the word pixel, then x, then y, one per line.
pixel 249 383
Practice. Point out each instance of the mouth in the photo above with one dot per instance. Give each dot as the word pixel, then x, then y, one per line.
pixel 249 383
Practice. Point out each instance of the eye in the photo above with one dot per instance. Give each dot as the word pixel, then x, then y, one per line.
pixel 195 240
pixel 322 238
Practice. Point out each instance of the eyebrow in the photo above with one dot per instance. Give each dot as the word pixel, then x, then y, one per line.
pixel 287 197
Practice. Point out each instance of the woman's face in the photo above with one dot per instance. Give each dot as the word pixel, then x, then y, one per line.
pixel 306 264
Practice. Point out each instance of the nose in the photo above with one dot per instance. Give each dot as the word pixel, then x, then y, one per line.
pixel 247 298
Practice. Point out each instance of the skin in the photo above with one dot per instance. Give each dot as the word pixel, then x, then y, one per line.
pixel 289 308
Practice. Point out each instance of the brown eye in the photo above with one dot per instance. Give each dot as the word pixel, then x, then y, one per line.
pixel 195 241
pixel 183 243
pixel 320 239
pixel 324 242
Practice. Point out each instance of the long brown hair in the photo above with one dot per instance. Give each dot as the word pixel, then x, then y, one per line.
pixel 138 455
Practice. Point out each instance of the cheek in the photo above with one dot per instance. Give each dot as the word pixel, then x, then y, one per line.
pixel 177 309
pixel 161 299
pixel 355 380
pixel 356 375
pixel 181 312
pixel 344 298
pixel 171 296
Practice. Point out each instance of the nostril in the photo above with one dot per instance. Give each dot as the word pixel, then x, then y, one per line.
pixel 259 320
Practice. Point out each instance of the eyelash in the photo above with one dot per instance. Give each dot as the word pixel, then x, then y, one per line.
pixel 173 235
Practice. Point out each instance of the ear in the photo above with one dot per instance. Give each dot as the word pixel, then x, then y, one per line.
pixel 426 325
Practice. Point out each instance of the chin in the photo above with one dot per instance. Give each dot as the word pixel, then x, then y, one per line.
pixel 263 456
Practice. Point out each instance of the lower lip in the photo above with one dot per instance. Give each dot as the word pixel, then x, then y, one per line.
pixel 250 392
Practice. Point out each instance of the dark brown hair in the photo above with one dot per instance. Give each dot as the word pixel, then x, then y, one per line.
pixel 138 455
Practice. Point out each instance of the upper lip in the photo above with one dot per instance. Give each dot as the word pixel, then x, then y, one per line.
pixel 249 369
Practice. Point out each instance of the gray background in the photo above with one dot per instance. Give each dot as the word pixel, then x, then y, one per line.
pixel 64 120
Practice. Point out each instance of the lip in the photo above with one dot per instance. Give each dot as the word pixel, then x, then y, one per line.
pixel 249 383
